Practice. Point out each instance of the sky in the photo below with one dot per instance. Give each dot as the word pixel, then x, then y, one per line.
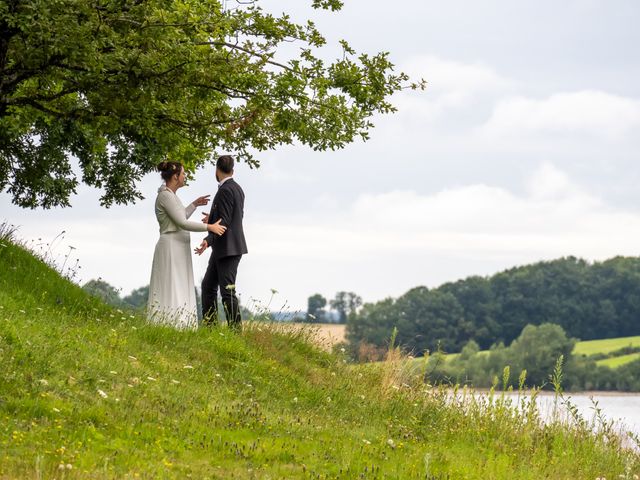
pixel 524 147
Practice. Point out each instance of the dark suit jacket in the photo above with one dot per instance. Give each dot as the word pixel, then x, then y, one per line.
pixel 228 205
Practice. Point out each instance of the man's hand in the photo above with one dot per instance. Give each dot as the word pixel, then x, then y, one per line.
pixel 200 201
pixel 203 246
pixel 205 219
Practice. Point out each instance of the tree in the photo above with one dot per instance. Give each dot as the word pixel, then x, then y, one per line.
pixel 103 290
pixel 121 85
pixel 538 348
pixel 315 308
pixel 138 298
pixel 345 303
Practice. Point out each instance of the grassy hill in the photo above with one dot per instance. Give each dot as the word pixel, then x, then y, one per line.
pixel 88 391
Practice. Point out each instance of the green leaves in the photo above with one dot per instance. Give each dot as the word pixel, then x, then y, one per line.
pixel 120 86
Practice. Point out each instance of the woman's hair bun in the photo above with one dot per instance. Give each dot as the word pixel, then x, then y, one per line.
pixel 169 169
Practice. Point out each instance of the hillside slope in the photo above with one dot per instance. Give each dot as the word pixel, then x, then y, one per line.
pixel 87 391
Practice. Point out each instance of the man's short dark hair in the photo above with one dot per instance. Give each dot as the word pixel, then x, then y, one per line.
pixel 225 163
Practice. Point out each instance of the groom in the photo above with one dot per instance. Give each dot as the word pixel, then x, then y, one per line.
pixel 228 206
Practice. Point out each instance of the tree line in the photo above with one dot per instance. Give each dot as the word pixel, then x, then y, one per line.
pixel 588 300
pixel 531 360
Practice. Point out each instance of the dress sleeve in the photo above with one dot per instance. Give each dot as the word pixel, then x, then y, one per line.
pixel 189 210
pixel 177 213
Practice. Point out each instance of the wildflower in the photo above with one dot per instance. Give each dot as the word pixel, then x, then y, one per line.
pixel 188 367
pixel 391 443
pixel 43 382
pixel 362 397
pixel 366 442
pixel 131 357
pixel 55 410
pixel 102 394
pixel 218 375
pixel 112 372
pixel 329 399
pixel 342 350
pixel 295 399
pixel 68 466
pixel 151 378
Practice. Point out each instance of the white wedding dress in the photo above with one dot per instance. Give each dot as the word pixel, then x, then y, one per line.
pixel 172 298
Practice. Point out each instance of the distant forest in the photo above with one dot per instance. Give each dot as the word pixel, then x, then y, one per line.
pixel 588 300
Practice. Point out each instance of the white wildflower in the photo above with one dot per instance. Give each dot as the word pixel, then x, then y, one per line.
pixel 295 399
pixel 391 443
pixel 366 442
pixel 113 372
pixel 68 466
pixel 102 394
pixel 43 381
pixel 188 367
pixel 152 379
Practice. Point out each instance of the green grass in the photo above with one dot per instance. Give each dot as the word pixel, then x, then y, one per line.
pixel 591 347
pixel 87 391
pixel 618 361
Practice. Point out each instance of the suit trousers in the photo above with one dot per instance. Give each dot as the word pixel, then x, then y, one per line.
pixel 221 274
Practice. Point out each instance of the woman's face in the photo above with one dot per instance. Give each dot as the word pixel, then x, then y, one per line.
pixel 180 177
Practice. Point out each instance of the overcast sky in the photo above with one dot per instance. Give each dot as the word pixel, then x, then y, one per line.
pixel 524 147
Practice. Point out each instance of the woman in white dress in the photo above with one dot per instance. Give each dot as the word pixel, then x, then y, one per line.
pixel 172 298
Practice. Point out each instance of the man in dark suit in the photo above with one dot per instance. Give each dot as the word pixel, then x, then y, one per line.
pixel 228 248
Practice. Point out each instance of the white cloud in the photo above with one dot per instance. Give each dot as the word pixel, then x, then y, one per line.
pixel 450 85
pixel 428 239
pixel 594 113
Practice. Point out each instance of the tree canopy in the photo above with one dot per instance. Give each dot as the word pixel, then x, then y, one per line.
pixel 100 91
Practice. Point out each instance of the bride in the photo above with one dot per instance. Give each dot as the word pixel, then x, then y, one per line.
pixel 172 298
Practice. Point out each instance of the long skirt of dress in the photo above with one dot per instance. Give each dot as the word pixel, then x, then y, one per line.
pixel 172 298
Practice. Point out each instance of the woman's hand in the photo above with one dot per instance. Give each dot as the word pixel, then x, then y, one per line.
pixel 217 228
pixel 200 201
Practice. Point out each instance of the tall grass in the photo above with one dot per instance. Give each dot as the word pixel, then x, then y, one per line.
pixel 87 391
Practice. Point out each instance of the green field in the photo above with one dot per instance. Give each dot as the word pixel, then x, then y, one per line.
pixel 89 391
pixel 594 347
pixel 618 361
pixel 591 347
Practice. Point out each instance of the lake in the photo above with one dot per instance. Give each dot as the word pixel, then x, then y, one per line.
pixel 622 408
